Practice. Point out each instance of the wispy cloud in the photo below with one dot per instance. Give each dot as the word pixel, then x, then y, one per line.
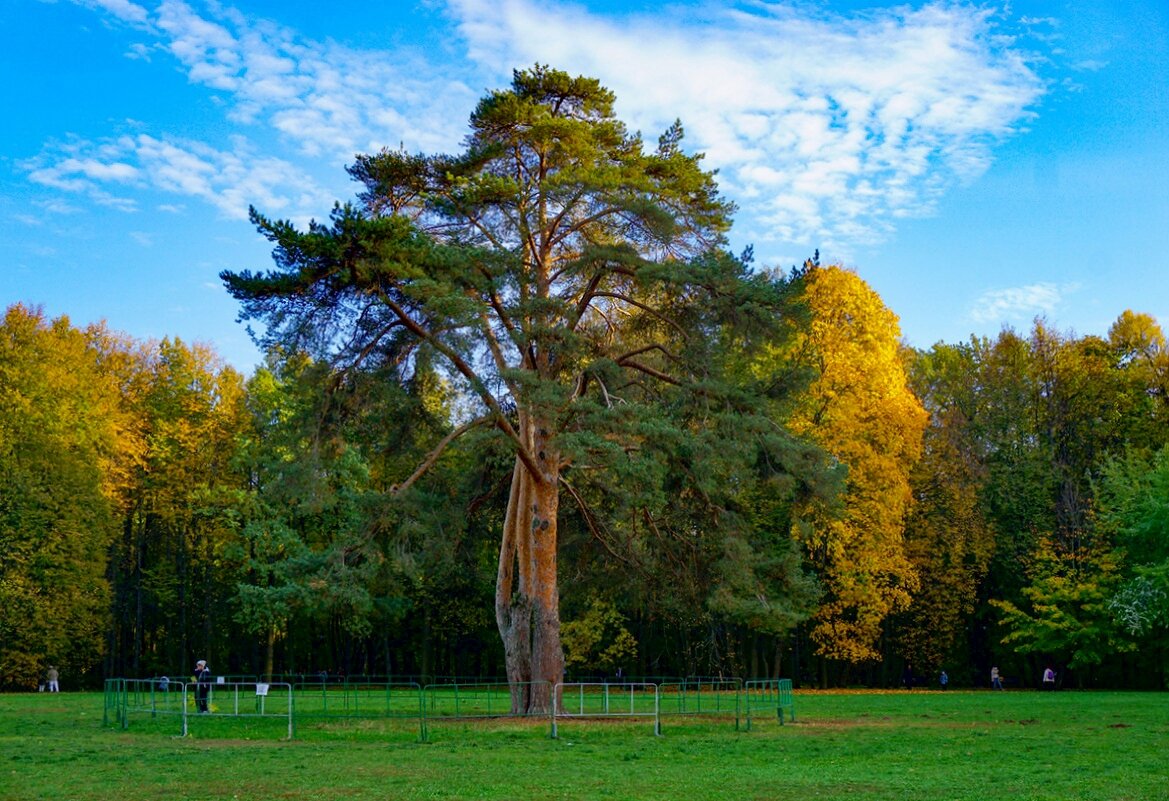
pixel 1016 304
pixel 124 10
pixel 229 180
pixel 830 127
pixel 326 99
pixel 827 129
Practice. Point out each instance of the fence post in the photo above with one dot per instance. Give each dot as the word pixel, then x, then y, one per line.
pixel 557 693
pixel 738 701
pixel 657 711
pixel 422 712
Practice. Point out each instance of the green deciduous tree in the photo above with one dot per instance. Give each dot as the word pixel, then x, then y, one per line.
pixel 1132 510
pixel 1065 616
pixel 598 641
pixel 168 591
pixel 948 536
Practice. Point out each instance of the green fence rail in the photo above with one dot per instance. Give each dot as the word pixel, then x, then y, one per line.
pixel 368 698
pixel 701 696
pixel 164 698
pixel 607 700
pixel 770 696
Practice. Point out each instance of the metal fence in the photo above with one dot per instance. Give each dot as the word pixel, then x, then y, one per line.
pixel 607 700
pixel 325 702
pixel 702 696
pixel 125 699
pixel 770 696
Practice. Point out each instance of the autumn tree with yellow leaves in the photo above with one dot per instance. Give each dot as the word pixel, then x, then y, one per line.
pixel 861 410
pixel 65 443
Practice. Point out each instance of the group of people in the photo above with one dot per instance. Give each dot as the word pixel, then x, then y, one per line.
pixel 51 682
pixel 996 679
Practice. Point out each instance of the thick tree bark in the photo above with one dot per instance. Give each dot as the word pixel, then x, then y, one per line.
pixel 512 614
pixel 527 596
pixel 547 654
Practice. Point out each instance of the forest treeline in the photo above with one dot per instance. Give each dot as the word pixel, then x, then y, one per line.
pixel 1006 503
pixel 523 414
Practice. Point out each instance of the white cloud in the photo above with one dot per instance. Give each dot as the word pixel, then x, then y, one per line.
pixel 229 180
pixel 56 206
pixel 326 99
pixel 124 10
pixel 826 128
pixel 1021 303
pixel 864 119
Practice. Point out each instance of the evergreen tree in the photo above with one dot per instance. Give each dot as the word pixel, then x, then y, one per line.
pixel 564 281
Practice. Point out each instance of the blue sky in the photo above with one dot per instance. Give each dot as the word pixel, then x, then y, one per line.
pixel 978 165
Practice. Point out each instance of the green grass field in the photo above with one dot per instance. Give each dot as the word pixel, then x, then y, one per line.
pixel 910 745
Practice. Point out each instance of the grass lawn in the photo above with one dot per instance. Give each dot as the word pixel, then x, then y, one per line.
pixel 981 746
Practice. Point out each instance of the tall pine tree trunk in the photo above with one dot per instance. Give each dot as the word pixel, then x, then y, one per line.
pixel 527 597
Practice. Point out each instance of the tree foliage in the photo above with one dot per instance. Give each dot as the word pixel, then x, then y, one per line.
pixel 1066 615
pixel 861 411
pixel 949 537
pixel 62 453
pixel 564 280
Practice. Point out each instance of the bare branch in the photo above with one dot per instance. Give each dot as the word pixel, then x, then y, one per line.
pixel 645 308
pixel 658 374
pixel 496 351
pixel 646 348
pixel 432 457
pixel 586 297
pixel 369 348
pixel 460 364
pixel 591 522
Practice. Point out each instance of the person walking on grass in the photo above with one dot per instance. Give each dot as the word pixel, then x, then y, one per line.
pixel 996 681
pixel 51 677
pixel 1048 678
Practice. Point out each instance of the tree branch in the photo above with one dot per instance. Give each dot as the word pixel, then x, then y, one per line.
pixel 645 308
pixel 644 349
pixel 592 523
pixel 460 364
pixel 658 374
pixel 432 457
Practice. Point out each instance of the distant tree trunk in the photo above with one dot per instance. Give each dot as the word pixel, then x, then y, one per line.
pixel 527 596
pixel 269 656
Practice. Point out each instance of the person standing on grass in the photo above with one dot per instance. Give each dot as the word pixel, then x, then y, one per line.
pixel 996 681
pixel 51 676
pixel 202 686
pixel 1048 678
pixel 944 680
